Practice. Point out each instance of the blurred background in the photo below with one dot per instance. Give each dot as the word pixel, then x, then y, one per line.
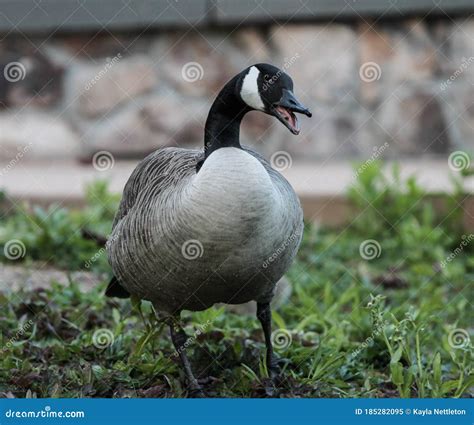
pixel 119 79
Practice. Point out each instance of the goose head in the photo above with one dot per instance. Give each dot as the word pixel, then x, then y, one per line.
pixel 266 88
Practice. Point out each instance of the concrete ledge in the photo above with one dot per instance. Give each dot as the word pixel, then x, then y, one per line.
pixel 92 15
pixel 322 187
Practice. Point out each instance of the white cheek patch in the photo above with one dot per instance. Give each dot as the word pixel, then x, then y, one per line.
pixel 249 92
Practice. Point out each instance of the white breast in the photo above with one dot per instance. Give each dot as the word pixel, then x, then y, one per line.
pixel 231 179
pixel 231 198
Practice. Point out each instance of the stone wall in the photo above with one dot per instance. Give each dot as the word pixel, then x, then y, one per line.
pixel 407 85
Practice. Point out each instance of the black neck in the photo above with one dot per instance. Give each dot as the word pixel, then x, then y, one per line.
pixel 223 122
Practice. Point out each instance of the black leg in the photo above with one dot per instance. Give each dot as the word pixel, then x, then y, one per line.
pixel 179 338
pixel 264 314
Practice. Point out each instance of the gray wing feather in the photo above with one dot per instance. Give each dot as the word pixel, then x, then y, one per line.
pixel 158 170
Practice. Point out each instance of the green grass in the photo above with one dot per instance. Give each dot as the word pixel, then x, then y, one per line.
pixel 396 325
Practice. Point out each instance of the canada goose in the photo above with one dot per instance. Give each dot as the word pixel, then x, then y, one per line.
pixel 195 228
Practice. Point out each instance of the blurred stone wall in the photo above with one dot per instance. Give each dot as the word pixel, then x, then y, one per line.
pixel 405 85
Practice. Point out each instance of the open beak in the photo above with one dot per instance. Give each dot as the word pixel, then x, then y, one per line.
pixel 285 110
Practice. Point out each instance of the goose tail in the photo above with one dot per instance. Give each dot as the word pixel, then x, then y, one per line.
pixel 114 289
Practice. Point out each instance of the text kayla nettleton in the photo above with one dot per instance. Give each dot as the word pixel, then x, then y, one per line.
pixel 413 412
pixel 439 412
